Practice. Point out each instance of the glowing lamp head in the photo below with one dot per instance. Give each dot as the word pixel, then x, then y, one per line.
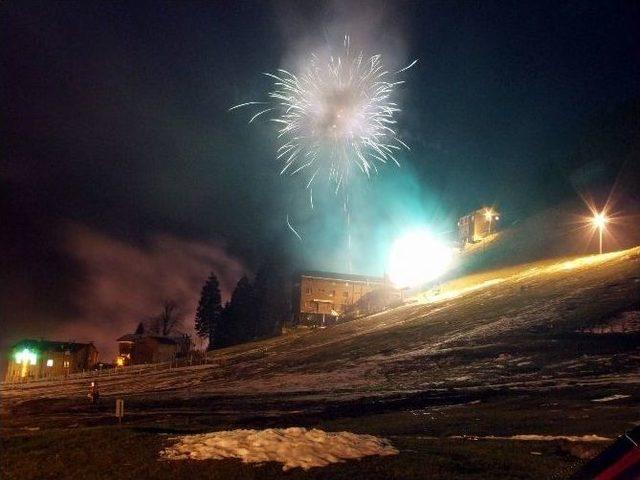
pixel 599 220
pixel 417 258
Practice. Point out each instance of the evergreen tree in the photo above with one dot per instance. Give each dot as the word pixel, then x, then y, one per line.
pixel 209 309
pixel 222 336
pixel 271 300
pixel 242 310
pixel 238 316
pixel 256 310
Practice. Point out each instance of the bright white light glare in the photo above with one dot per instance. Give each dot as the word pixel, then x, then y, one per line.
pixel 599 220
pixel 416 258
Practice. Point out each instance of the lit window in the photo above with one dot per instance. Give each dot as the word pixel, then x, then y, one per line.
pixel 66 364
pixel 50 363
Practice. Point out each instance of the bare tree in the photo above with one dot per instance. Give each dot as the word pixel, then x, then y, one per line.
pixel 168 322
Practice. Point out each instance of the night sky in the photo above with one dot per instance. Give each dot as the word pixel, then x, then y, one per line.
pixel 125 180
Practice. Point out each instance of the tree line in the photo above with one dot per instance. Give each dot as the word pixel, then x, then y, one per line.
pixel 256 309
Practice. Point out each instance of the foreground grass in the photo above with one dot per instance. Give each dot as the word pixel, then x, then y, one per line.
pixel 126 452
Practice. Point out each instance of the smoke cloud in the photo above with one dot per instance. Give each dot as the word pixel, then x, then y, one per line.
pixel 121 283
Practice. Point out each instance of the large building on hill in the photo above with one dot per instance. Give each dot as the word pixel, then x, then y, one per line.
pixel 320 298
pixel 34 359
pixel 477 225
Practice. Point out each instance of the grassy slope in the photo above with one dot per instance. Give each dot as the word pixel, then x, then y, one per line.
pixel 514 326
pixel 498 353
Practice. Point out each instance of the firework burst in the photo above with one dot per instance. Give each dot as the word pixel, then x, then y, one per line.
pixel 334 115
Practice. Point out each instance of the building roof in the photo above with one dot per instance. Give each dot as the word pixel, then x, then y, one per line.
pixel 133 337
pixel 349 277
pixel 481 211
pixel 50 345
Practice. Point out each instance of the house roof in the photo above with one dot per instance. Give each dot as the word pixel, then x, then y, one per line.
pixel 342 276
pixel 481 211
pixel 133 337
pixel 50 345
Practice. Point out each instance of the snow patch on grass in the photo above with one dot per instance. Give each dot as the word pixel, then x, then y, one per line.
pixel 538 438
pixel 569 438
pixel 293 447
pixel 611 398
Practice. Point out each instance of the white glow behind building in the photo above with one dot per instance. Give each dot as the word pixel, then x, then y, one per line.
pixel 417 258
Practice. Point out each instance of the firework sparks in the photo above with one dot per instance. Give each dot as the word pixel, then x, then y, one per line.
pixel 334 114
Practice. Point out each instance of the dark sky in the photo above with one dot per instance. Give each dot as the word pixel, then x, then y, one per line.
pixel 125 180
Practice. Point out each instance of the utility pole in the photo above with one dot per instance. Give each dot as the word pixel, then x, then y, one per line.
pixel 600 229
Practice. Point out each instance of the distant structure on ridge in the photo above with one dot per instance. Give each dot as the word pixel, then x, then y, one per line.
pixel 477 225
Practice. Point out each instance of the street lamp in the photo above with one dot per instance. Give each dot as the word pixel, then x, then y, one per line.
pixel 599 220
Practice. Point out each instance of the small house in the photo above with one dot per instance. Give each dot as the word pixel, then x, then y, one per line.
pixel 141 348
pixel 34 359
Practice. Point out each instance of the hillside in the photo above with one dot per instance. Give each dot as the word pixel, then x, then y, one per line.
pixel 560 231
pixel 526 370
pixel 521 327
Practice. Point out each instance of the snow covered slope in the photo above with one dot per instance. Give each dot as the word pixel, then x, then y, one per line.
pixel 539 325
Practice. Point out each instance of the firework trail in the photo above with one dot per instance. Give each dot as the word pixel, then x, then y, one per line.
pixel 335 113
pixel 295 232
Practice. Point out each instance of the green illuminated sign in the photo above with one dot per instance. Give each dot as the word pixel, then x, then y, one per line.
pixel 26 356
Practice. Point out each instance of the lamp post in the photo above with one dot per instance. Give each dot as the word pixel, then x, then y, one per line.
pixel 599 221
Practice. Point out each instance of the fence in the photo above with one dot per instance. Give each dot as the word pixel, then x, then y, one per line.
pixel 201 359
